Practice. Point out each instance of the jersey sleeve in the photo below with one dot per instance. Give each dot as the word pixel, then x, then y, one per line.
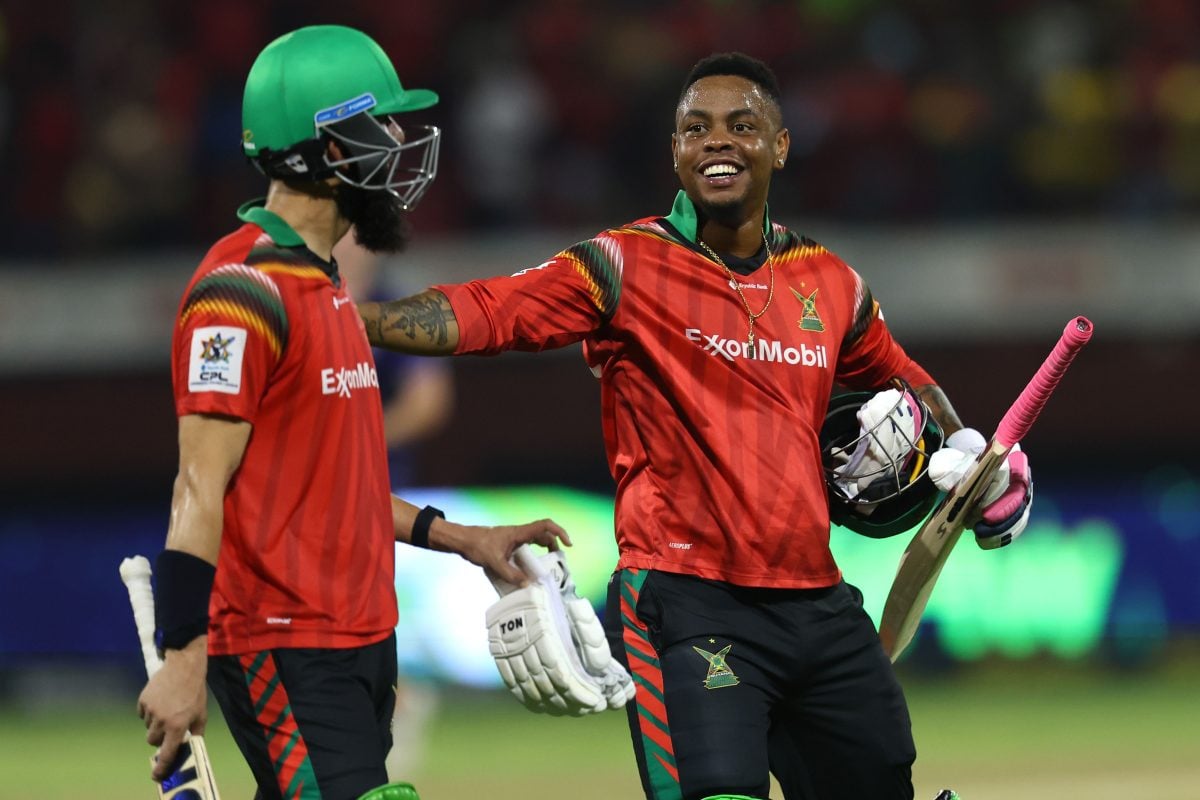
pixel 554 304
pixel 229 337
pixel 869 356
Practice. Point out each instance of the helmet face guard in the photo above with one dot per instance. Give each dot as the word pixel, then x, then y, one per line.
pixel 375 159
pixel 875 452
pixel 329 83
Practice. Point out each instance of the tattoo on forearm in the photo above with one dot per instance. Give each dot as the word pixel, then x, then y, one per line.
pixel 370 317
pixel 422 320
pixel 939 407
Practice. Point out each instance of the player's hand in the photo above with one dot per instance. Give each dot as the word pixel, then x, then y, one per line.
pixel 493 548
pixel 175 702
pixel 1004 505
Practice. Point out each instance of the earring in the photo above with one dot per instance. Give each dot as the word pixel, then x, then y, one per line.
pixel 781 162
pixel 676 166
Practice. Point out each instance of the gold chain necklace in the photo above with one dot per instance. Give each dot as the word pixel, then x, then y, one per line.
pixel 737 287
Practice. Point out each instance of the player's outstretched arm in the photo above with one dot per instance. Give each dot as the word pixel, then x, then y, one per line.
pixel 490 547
pixel 423 324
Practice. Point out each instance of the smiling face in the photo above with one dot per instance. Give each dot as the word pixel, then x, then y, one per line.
pixel 728 138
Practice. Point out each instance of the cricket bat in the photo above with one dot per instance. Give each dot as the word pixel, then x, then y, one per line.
pixel 191 776
pixel 926 554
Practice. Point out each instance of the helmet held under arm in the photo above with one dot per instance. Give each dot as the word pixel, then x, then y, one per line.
pixel 875 450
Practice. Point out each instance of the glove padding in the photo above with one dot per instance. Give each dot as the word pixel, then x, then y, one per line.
pixel 549 645
pixel 1004 505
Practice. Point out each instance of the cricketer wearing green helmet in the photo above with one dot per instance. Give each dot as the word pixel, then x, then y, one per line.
pixel 331 84
pixel 283 473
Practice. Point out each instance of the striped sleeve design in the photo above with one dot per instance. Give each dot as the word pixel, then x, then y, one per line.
pixel 241 294
pixel 789 247
pixel 865 311
pixel 600 263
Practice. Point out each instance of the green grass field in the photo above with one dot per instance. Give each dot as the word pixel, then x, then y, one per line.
pixel 1000 732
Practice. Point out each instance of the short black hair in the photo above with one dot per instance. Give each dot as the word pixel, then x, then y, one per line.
pixel 738 64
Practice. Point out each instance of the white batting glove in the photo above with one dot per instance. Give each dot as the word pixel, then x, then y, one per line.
pixel 587 634
pixel 588 660
pixel 529 638
pixel 1005 502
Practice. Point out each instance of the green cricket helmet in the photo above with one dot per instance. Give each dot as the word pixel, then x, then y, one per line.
pixel 329 82
pixel 875 449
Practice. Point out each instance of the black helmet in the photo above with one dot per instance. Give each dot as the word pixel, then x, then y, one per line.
pixel 875 450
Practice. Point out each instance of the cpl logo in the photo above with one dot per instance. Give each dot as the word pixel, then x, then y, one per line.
pixel 216 349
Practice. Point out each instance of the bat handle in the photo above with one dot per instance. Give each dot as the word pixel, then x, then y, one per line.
pixel 135 572
pixel 1021 415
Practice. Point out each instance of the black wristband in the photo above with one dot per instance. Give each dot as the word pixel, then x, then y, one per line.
pixel 183 584
pixel 420 528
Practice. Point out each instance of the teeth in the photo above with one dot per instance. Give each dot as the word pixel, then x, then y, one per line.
pixel 720 169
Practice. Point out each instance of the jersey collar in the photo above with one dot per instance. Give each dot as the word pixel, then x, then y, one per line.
pixel 686 220
pixel 283 235
pixel 280 232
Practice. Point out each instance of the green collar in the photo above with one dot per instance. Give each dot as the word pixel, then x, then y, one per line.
pixel 280 232
pixel 683 217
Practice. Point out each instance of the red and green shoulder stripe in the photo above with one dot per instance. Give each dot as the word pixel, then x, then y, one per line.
pixel 272 259
pixel 787 246
pixel 242 294
pixel 866 309
pixel 600 262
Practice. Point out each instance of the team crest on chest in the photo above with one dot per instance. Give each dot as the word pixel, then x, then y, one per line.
pixel 810 320
pixel 719 674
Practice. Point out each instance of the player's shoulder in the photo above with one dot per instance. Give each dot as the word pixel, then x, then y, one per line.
pixel 610 244
pixel 785 241
pixel 646 226
pixel 250 251
pixel 229 267
pixel 789 246
pixel 226 285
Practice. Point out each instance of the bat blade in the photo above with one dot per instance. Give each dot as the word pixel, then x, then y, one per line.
pixel 926 554
pixel 191 776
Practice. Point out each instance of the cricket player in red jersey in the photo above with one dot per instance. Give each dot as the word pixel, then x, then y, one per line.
pixel 718 335
pixel 277 581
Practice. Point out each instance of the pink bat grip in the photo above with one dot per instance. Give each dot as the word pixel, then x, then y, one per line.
pixel 1021 414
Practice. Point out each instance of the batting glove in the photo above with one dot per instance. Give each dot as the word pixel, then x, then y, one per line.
pixel 1004 506
pixel 548 644
pixel 587 634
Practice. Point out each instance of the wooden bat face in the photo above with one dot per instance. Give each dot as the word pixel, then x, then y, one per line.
pixel 926 554
pixel 192 777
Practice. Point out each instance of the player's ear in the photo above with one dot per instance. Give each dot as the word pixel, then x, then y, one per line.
pixel 783 142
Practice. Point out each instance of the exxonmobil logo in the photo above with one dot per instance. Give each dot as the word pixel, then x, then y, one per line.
pixel 763 350
pixel 342 382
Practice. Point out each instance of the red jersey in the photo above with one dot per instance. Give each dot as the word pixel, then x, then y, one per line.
pixel 713 444
pixel 265 335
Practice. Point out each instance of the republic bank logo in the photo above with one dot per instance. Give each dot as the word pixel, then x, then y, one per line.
pixel 342 382
pixel 763 350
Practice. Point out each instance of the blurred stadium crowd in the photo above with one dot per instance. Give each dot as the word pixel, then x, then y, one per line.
pixel 118 121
